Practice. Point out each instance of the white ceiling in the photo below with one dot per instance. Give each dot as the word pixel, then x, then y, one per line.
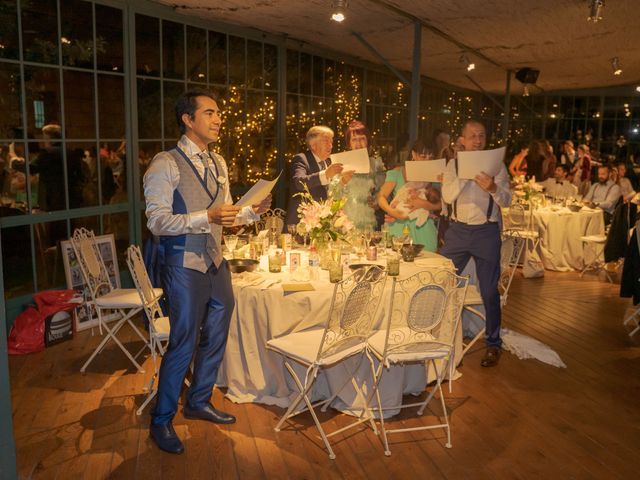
pixel 552 36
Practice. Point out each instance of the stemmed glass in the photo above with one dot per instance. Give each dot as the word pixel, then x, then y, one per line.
pixel 231 241
pixel 291 229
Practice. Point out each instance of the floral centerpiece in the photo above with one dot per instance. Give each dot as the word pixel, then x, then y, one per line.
pixel 323 221
pixel 526 190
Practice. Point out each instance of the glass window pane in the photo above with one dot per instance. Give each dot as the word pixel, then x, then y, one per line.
pixel 270 67
pixel 49 267
pixel 237 74
pixel 196 54
pixel 109 42
pixel 82 175
pixel 43 98
pixel 218 58
pixel 318 76
pixel 9 32
pixel 16 261
pixel 118 224
pixel 90 223
pixel 77 33
pixel 11 119
pixel 79 108
pixel 40 31
pixel 305 73
pixel 113 161
pixel 111 106
pixel 173 49
pixel 254 64
pixel 172 90
pixel 46 174
pixel 13 197
pixel 147 45
pixel 292 71
pixel 149 109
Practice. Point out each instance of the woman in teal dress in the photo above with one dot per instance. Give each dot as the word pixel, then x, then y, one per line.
pixel 414 203
pixel 361 190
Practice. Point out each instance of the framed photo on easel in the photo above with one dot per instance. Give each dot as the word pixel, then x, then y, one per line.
pixel 85 315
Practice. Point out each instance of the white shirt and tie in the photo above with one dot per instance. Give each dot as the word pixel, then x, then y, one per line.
pixel 162 178
pixel 468 202
pixel 559 188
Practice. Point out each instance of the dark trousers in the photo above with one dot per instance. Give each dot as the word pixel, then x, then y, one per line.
pixel 200 308
pixel 482 243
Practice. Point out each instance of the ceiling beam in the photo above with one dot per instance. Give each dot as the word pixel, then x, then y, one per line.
pixel 437 31
pixel 380 57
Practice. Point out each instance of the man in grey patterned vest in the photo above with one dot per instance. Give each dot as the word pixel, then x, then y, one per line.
pixel 187 203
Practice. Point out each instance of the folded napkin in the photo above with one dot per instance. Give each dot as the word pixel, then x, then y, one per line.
pixel 246 279
pixel 433 260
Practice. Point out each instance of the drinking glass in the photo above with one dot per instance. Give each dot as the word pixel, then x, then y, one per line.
pixel 231 241
pixel 275 261
pixel 393 264
pixel 397 243
pixel 335 271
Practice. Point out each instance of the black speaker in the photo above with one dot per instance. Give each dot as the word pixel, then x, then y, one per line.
pixel 527 75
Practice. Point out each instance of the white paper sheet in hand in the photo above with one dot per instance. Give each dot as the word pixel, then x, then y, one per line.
pixel 356 160
pixel 471 164
pixel 258 192
pixel 425 170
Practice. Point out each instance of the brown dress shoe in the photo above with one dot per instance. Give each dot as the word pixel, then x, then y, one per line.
pixel 491 357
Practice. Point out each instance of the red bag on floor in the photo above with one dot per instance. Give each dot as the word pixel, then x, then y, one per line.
pixel 27 334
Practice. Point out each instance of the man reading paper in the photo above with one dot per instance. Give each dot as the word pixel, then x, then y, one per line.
pixel 188 202
pixel 474 231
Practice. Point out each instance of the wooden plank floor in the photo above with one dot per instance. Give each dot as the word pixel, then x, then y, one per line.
pixel 522 419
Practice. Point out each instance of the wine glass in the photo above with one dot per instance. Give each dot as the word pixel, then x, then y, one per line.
pixel 231 241
pixel 397 243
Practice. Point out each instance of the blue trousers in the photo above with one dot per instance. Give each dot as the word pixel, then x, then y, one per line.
pixel 482 243
pixel 200 309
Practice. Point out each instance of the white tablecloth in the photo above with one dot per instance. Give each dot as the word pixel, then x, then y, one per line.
pixel 560 247
pixel 254 374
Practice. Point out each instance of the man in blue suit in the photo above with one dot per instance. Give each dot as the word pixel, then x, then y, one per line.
pixel 313 168
pixel 187 203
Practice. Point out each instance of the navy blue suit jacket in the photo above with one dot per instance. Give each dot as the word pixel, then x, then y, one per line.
pixel 304 171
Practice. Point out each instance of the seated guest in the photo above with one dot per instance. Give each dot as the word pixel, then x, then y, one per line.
pixel 413 203
pixel 618 175
pixel 559 186
pixel 604 193
pixel 314 170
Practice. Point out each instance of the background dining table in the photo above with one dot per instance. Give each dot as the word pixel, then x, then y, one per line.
pixel 559 247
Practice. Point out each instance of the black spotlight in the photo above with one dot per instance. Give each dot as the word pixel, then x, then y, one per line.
pixel 528 75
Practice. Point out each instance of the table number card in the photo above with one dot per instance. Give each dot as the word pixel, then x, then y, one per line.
pixel 294 261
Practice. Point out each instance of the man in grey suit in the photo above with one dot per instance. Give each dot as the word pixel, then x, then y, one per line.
pixel 313 168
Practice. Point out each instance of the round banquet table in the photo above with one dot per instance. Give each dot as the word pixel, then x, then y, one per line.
pixel 559 247
pixel 263 311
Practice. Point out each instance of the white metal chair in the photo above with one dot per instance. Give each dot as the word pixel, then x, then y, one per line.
pixel 424 314
pixel 272 220
pixel 104 296
pixel 520 224
pixel 510 252
pixel 159 326
pixel 594 244
pixel 353 307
